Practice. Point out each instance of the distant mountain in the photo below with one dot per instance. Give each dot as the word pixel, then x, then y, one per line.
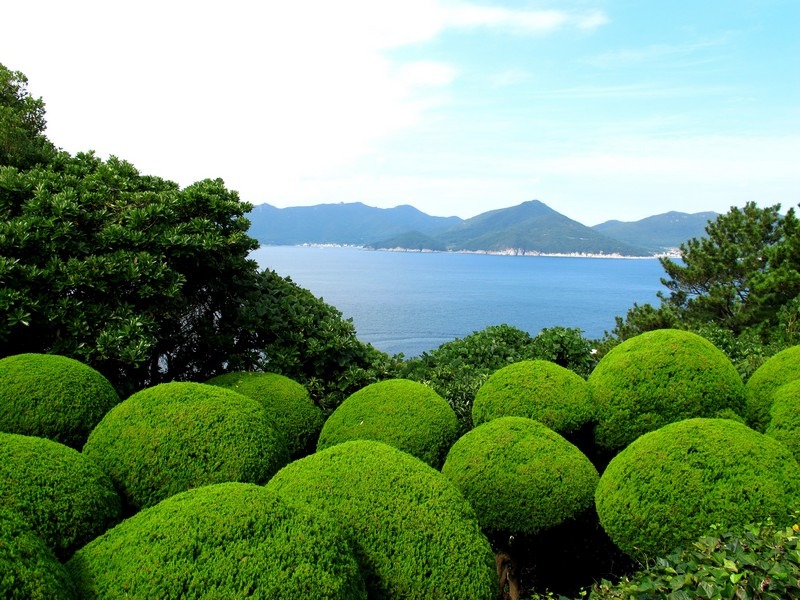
pixel 529 228
pixel 660 232
pixel 350 223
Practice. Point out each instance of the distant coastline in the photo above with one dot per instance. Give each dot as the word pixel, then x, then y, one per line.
pixel 507 252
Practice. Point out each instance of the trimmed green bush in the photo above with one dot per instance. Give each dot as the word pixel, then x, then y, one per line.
pixel 784 424
pixel 520 476
pixel 28 568
pixel 64 496
pixel 287 403
pixel 229 540
pixel 176 436
pixel 670 485
pixel 414 534
pixel 776 371
pixel 657 378
pixel 539 390
pixel 405 414
pixel 53 397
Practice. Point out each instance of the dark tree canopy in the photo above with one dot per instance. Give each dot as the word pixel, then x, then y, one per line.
pixel 126 272
pixel 22 123
pixel 741 272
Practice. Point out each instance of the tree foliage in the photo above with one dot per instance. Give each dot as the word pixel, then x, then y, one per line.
pixel 22 123
pixel 126 272
pixel 739 284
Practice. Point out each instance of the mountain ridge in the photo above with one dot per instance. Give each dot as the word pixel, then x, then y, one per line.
pixel 531 227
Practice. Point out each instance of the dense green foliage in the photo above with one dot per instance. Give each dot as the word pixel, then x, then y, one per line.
pixel 229 540
pixel 286 402
pixel 457 369
pixel 539 390
pixel 28 568
pixel 776 371
pixel 54 397
pixel 22 123
pixel 175 436
pixel 414 534
pixel 762 562
pixel 657 378
pixel 405 414
pixel 122 271
pixel 784 424
pixel 64 496
pixel 520 476
pixel 668 486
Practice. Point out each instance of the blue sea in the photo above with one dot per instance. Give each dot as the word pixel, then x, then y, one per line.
pixel 412 302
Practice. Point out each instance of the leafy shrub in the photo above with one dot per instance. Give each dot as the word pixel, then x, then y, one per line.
pixel 520 476
pixel 539 390
pixel 28 568
pixel 762 561
pixel 784 424
pixel 54 397
pixel 64 496
pixel 777 370
pixel 667 487
pixel 175 436
pixel 660 377
pixel 566 347
pixel 405 414
pixel 414 534
pixel 457 369
pixel 221 541
pixel 287 403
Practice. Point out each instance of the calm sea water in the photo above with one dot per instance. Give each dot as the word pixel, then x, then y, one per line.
pixel 412 302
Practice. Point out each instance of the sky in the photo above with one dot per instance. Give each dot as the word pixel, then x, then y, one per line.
pixel 601 109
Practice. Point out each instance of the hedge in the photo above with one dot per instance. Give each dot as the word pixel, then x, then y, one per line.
pixel 63 495
pixel 176 436
pixel 229 540
pixel 28 568
pixel 53 397
pixel 287 403
pixel 776 371
pixel 784 424
pixel 657 378
pixel 520 476
pixel 405 414
pixel 414 534
pixel 539 390
pixel 670 485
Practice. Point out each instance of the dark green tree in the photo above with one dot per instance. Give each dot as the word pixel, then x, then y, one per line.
pixel 741 273
pixel 125 272
pixel 22 123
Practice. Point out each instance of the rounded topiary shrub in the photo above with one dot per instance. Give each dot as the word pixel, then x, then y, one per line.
pixel 657 378
pixel 414 534
pixel 28 568
pixel 53 397
pixel 287 403
pixel 784 424
pixel 520 476
pixel 175 436
pixel 229 540
pixel 670 485
pixel 539 390
pixel 776 371
pixel 64 496
pixel 405 414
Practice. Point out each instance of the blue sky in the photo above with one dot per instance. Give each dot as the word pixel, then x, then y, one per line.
pixel 602 109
